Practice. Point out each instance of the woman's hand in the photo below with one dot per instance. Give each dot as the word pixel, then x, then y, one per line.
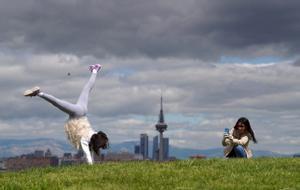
pixel 228 136
pixel 227 139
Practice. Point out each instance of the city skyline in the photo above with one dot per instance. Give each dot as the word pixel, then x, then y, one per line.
pixel 143 148
pixel 160 148
pixel 214 62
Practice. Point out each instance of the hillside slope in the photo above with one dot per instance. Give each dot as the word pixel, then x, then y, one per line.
pixel 262 173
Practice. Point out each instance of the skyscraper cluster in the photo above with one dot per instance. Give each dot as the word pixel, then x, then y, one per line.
pixel 160 148
pixel 144 149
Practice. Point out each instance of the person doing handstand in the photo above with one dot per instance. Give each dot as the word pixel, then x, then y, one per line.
pixel 78 129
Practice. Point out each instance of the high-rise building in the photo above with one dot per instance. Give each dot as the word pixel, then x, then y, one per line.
pixel 155 152
pixel 166 148
pixel 144 146
pixel 155 148
pixel 137 149
pixel 161 126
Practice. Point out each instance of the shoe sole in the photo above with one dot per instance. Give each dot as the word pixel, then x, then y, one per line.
pixel 32 91
pixel 98 67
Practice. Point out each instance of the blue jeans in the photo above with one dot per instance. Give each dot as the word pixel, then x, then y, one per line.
pixel 237 152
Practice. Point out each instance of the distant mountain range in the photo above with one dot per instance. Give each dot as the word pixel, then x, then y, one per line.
pixel 13 147
pixel 16 147
pixel 185 153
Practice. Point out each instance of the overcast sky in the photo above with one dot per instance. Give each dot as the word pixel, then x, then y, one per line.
pixel 213 61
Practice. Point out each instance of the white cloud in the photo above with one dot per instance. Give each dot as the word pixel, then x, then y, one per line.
pixel 206 98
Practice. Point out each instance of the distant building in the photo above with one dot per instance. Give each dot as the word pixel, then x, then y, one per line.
pixel 41 158
pixel 137 149
pixel 155 151
pixel 79 158
pixel 19 163
pixel 69 159
pixel 36 159
pixel 166 149
pixel 144 146
pixel 67 155
pixel 39 153
pixel 48 153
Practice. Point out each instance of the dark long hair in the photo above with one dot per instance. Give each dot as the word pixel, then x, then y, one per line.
pixel 246 122
pixel 97 141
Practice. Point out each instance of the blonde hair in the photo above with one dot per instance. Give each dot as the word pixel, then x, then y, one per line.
pixel 77 128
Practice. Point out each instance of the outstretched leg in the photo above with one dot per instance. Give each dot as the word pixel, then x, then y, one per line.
pixel 74 110
pixel 71 109
pixel 84 95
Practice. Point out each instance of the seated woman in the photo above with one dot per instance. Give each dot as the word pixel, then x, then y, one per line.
pixel 237 140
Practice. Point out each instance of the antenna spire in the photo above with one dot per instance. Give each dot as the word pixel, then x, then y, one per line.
pixel 161 113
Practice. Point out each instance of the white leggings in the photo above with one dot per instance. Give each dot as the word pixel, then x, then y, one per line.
pixel 73 110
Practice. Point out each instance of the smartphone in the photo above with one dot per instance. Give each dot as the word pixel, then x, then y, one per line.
pixel 226 130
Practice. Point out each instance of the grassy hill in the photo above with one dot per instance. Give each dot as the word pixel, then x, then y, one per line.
pixel 260 173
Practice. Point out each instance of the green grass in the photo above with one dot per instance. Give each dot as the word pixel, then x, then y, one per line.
pixel 262 173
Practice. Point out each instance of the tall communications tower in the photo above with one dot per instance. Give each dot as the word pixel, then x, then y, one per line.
pixel 161 126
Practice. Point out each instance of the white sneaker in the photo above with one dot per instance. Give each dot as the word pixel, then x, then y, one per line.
pixel 96 67
pixel 91 68
pixel 32 92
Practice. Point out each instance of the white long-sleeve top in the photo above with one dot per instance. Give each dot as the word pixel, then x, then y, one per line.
pixel 79 133
pixel 237 140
